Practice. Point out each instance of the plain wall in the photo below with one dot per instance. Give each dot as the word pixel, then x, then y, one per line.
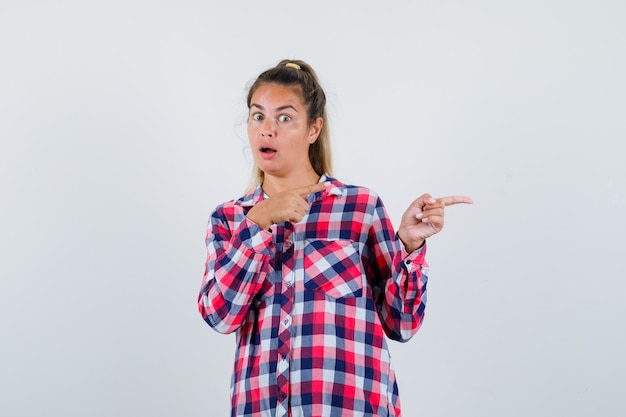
pixel 122 126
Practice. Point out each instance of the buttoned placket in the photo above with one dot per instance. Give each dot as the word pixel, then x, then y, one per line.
pixel 291 246
pixel 284 330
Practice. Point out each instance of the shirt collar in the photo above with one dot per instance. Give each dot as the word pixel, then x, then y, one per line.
pixel 335 188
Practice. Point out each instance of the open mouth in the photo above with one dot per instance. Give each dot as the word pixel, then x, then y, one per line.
pixel 267 150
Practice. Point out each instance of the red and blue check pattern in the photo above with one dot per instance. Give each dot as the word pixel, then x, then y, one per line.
pixel 311 304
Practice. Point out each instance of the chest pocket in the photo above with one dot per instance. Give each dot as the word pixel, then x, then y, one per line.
pixel 333 267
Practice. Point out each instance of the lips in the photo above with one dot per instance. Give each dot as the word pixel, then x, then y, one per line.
pixel 267 150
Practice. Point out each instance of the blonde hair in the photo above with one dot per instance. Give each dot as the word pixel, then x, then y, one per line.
pixel 298 73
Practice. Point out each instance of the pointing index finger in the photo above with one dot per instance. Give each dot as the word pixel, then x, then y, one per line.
pixel 311 189
pixel 456 199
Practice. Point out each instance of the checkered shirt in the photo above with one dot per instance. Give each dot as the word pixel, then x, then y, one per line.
pixel 311 303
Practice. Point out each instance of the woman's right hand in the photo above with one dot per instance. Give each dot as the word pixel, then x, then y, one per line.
pixel 286 206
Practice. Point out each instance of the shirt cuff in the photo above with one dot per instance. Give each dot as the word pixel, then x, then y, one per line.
pixel 413 260
pixel 254 237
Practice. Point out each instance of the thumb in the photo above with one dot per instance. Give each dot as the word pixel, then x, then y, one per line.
pixel 422 201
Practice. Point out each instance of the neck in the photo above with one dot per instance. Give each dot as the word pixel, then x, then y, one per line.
pixel 276 184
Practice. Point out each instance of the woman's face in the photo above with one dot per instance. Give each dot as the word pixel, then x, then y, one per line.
pixel 279 131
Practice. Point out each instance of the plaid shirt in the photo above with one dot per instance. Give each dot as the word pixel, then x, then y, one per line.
pixel 311 303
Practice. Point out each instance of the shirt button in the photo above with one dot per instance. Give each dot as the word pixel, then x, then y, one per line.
pixel 282 365
pixel 283 351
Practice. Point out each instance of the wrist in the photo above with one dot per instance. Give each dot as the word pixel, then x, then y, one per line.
pixel 410 245
pixel 413 246
pixel 259 220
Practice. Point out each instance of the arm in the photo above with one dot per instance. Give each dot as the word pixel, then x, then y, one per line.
pixel 237 262
pixel 403 300
pixel 235 269
pixel 398 279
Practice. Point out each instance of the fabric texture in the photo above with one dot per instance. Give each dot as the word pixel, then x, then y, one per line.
pixel 311 304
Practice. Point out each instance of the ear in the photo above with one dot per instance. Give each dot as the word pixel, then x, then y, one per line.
pixel 314 129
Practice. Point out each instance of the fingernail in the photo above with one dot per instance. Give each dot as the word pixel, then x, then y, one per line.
pixel 425 220
pixel 419 215
pixel 431 201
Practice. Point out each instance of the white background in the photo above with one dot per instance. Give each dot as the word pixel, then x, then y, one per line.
pixel 122 125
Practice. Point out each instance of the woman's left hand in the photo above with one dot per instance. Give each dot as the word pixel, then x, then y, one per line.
pixel 424 218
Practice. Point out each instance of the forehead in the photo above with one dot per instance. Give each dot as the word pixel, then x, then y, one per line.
pixel 275 95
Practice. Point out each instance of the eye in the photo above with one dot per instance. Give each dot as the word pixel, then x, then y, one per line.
pixel 256 116
pixel 284 118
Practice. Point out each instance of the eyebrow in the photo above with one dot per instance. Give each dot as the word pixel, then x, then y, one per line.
pixel 281 108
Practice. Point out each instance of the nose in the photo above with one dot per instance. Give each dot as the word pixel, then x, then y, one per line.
pixel 268 129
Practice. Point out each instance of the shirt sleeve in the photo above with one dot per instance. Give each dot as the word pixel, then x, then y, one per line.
pixel 235 269
pixel 398 279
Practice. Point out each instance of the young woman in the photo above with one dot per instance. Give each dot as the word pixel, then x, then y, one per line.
pixel 308 271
